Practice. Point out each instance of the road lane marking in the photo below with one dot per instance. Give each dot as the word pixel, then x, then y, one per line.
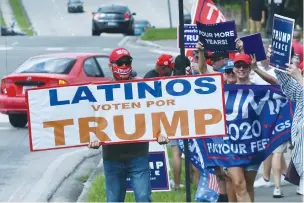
pixel 6 48
pixel 106 49
pixel 3 118
pixel 15 43
pixel 123 41
pixel 6 128
pixel 55 49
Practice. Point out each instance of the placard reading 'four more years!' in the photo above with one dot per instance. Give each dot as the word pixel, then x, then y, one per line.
pixel 131 111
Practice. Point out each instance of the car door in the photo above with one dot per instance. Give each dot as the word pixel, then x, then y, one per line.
pixel 93 71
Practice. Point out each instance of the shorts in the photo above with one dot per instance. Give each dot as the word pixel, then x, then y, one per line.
pixel 248 168
pixel 282 148
pixel 173 143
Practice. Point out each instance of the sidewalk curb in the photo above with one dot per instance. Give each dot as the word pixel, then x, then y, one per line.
pixel 56 174
pixel 87 185
pixel 27 17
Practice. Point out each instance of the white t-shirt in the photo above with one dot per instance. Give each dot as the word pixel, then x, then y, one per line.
pixel 256 79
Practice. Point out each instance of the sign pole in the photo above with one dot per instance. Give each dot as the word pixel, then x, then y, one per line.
pixel 182 71
pixel 169 12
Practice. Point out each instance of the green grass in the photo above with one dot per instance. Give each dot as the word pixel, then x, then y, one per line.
pixel 84 178
pixel 160 34
pixel 97 191
pixel 2 22
pixel 20 17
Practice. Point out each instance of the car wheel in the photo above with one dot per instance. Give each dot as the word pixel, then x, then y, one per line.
pixel 95 33
pixel 130 32
pixel 18 120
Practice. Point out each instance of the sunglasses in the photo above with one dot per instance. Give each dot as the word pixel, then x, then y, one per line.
pixel 123 62
pixel 241 64
pixel 229 72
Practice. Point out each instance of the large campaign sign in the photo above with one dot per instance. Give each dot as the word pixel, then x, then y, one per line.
pixel 128 111
pixel 218 37
pixel 159 174
pixel 190 36
pixel 259 119
pixel 282 34
pixel 205 12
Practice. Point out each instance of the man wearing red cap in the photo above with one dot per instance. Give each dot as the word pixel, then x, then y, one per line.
pixel 164 67
pixel 122 160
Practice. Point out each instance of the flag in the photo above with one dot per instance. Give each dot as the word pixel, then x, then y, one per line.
pixel 208 189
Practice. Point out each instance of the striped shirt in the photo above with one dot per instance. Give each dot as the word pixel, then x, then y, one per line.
pixel 295 92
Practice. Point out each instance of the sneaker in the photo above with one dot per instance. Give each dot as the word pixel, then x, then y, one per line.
pixel 261 182
pixel 283 181
pixel 277 193
pixel 173 185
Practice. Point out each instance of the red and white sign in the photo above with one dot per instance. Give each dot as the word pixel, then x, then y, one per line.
pixel 205 12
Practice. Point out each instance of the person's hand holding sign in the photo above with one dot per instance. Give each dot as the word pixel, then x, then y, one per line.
pixel 269 52
pixel 295 72
pixel 94 145
pixel 162 139
pixel 200 46
pixel 254 65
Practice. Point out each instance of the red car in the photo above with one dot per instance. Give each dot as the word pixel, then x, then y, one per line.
pixel 48 70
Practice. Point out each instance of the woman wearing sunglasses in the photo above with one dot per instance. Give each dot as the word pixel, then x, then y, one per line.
pixel 241 179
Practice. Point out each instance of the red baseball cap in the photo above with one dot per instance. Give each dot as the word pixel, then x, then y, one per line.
pixel 165 60
pixel 242 57
pixel 116 54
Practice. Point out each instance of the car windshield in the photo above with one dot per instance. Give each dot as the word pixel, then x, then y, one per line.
pixel 141 23
pixel 112 9
pixel 47 65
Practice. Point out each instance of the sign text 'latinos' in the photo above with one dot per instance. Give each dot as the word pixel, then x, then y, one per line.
pixel 83 93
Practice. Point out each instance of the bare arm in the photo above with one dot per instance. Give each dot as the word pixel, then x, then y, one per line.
pixel 265 76
pixel 202 64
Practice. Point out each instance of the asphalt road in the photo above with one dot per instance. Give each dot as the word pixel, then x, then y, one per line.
pixel 50 17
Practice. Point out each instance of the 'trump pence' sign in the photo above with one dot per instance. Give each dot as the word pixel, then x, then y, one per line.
pixel 282 34
pixel 130 111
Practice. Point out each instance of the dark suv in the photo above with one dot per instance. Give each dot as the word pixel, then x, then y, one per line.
pixel 113 19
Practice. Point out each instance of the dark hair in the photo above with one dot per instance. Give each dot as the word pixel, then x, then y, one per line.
pixel 178 68
pixel 292 52
pixel 178 61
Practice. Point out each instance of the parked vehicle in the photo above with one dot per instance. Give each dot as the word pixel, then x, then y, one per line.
pixel 48 70
pixel 141 26
pixel 113 19
pixel 187 16
pixel 75 6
